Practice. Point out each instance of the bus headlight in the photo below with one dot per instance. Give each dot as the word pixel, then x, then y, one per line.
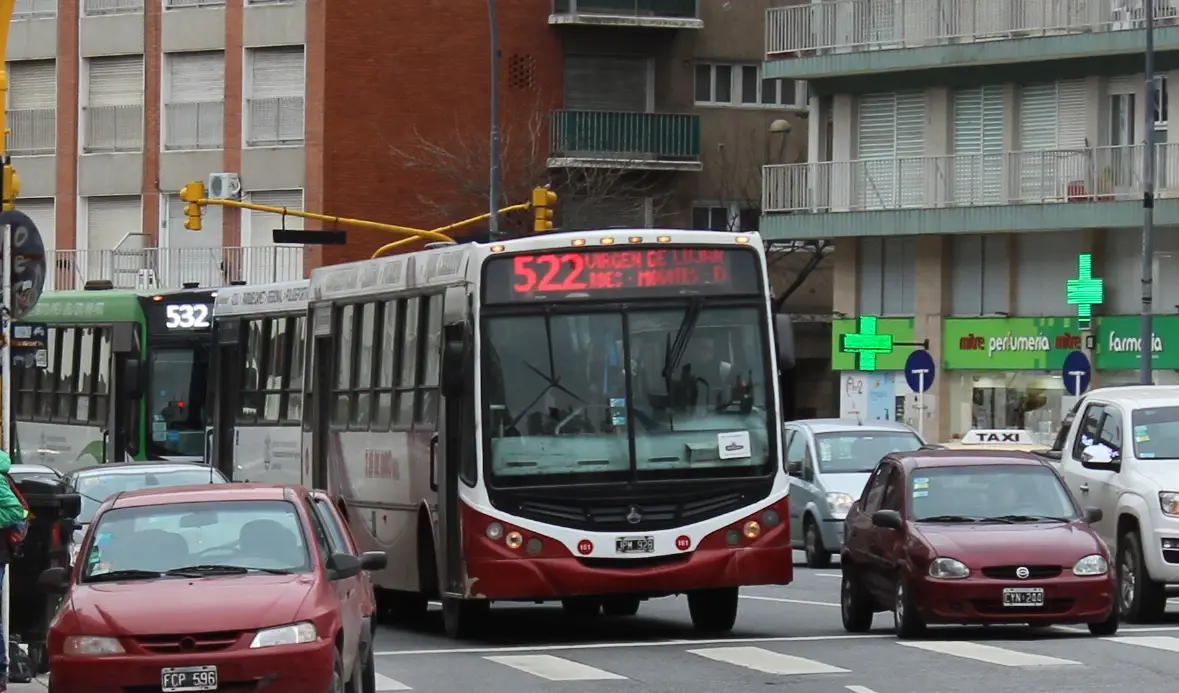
pixel 771 518
pixel 751 530
pixel 495 531
pixel 515 540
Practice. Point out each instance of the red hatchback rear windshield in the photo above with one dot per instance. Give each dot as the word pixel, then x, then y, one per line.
pixel 1005 493
pixel 264 535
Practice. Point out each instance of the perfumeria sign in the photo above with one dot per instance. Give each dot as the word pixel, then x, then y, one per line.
pixel 1009 343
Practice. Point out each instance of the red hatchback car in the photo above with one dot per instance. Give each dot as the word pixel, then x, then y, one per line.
pixel 962 537
pixel 203 588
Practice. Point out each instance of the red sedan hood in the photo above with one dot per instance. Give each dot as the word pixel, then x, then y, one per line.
pixel 203 605
pixel 1022 544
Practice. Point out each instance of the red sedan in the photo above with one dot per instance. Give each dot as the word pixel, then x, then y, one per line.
pixel 952 536
pixel 204 588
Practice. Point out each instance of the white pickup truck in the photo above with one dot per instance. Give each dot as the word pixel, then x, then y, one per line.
pixel 1119 451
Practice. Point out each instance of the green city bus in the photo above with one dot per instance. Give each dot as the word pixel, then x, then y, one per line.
pixel 123 377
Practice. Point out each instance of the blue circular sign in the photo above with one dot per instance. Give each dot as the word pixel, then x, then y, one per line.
pixel 1076 372
pixel 920 370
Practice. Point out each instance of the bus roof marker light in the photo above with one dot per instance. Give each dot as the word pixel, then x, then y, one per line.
pixel 157 298
pixel 608 240
pixel 578 242
pixel 636 239
pixel 742 240
pixel 497 248
pixel 664 239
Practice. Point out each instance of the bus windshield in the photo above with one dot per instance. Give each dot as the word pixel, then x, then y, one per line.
pixel 569 395
pixel 176 401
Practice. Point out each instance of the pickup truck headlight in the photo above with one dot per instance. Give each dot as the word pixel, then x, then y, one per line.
pixel 91 646
pixel 838 504
pixel 1091 566
pixel 948 569
pixel 293 634
pixel 1169 502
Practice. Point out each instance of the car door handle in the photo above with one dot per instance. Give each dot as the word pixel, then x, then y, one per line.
pixel 1084 488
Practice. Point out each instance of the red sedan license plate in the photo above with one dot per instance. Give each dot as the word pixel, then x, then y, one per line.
pixel 178 679
pixel 1023 596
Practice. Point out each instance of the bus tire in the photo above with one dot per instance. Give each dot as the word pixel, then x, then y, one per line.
pixel 463 618
pixel 714 610
pixel 428 584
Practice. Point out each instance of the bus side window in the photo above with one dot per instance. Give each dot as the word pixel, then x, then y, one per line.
pixel 409 330
pixel 297 329
pixel 342 395
pixel 102 388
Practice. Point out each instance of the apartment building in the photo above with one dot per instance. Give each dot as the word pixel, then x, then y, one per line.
pixel 116 104
pixel 966 156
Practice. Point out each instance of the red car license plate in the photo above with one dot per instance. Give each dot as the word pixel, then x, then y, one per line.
pixel 1023 596
pixel 177 679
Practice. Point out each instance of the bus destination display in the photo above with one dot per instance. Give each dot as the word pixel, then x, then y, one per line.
pixel 621 272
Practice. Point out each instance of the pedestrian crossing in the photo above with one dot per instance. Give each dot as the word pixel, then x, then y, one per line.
pixel 832 658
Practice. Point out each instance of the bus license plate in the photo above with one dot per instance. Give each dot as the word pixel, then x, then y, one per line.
pixel 1023 596
pixel 634 545
pixel 176 679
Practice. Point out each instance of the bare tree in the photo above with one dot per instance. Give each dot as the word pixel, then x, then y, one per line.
pixel 459 162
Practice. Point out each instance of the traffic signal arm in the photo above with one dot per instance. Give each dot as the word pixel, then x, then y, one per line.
pixel 390 247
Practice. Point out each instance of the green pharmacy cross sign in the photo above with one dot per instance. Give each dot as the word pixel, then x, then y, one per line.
pixel 1085 291
pixel 865 343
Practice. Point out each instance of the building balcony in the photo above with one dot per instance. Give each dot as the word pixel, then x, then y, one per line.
pixel 832 38
pixel 1097 187
pixel 612 139
pixel 32 131
pixel 34 9
pixel 655 14
pixel 170 268
pixel 194 125
pixel 113 128
pixel 96 8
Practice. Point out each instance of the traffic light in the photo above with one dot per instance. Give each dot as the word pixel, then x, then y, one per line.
pixel 11 183
pixel 191 195
pixel 543 201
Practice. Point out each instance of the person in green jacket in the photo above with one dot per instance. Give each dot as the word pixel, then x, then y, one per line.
pixel 13 515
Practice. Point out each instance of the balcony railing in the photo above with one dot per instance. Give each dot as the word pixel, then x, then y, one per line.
pixel 968 180
pixel 32 9
pixel 170 268
pixel 676 9
pixel 199 125
pixel 114 128
pixel 846 26
pixel 180 4
pixel 624 136
pixel 92 8
pixel 32 131
pixel 276 120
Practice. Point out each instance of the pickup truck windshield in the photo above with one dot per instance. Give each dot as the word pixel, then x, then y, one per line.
pixel 1156 433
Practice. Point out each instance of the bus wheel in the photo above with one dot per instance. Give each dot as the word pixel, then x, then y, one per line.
pixel 713 611
pixel 396 607
pixel 581 607
pixel 621 606
pixel 463 618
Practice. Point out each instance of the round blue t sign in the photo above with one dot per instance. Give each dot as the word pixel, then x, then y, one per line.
pixel 920 370
pixel 1076 372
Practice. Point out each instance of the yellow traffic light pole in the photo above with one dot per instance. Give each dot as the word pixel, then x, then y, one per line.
pixel 390 247
pixel 194 197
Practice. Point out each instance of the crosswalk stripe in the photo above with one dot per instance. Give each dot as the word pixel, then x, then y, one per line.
pixel 987 653
pixel 384 683
pixel 1156 642
pixel 766 661
pixel 554 668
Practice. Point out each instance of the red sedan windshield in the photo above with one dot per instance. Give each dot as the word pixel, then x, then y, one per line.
pixel 1008 493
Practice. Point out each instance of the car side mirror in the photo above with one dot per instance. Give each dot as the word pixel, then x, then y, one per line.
pixel 794 468
pixel 71 505
pixel 341 566
pixel 454 360
pixel 54 580
pixel 373 560
pixel 888 519
pixel 1093 515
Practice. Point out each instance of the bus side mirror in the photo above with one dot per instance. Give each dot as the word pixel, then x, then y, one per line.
pixel 454 360
pixel 132 383
pixel 784 341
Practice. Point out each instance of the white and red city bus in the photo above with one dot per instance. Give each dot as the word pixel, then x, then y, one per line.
pixel 584 417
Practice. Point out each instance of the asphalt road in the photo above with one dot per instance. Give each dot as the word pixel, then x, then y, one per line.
pixel 788 637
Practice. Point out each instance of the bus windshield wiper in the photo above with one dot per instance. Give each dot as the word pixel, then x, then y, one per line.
pixel 677 347
pixel 116 575
pixel 552 380
pixel 947 518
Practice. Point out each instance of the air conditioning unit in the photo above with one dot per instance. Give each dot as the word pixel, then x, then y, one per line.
pixel 225 186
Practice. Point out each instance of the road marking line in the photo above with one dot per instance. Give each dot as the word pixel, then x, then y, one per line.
pixel 859 689
pixel 788 601
pixel 988 653
pixel 1155 642
pixel 612 645
pixel 555 668
pixel 767 662
pixel 384 683
pixel 834 575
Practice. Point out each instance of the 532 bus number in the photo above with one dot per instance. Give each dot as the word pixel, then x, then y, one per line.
pixel 185 316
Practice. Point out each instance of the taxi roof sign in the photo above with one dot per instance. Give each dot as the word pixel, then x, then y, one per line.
pixel 998 436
